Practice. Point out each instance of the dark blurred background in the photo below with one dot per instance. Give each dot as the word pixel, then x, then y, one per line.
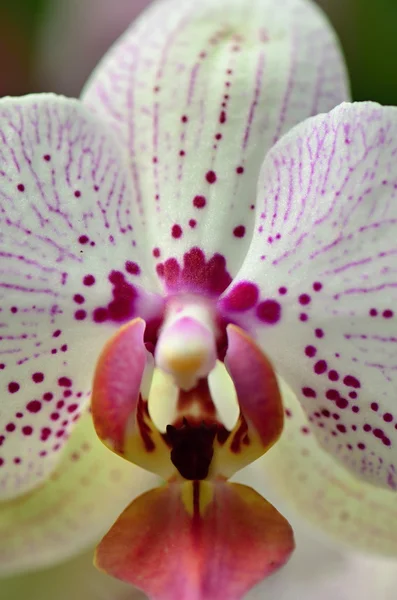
pixel 52 45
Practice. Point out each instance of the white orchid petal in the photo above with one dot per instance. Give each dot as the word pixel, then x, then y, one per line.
pixel 308 485
pixel 198 92
pixel 76 578
pixel 72 509
pixel 69 274
pixel 324 256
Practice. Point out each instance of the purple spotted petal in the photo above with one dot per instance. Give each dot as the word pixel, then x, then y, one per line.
pixel 198 92
pixel 68 276
pixel 305 481
pixel 324 257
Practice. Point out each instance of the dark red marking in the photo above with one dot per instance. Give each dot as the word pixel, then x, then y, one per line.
pixel 197 274
pixel 176 231
pixel 239 231
pixel 269 311
pixel 192 449
pixel 210 177
pixel 132 268
pixel 242 297
pixel 199 201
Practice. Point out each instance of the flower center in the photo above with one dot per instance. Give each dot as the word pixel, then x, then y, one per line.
pixel 186 347
pixel 192 448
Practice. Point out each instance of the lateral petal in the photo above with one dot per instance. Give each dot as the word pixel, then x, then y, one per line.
pixel 323 259
pixel 69 275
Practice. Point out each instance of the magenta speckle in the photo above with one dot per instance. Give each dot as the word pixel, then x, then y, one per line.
pixel 156 252
pixel 310 351
pixel 10 427
pixel 184 119
pixel 303 317
pixel 342 403
pixel 374 406
pixel 242 297
pixel 388 417
pixel 79 299
pixel 83 239
pixel 176 231
pixel 351 381
pixel 47 157
pixel 320 367
pixel 21 187
pixel 100 315
pixel 132 268
pixel 199 201
pixel 304 299
pixel 319 333
pixel 80 315
pixel 210 177
pixel 387 314
pixel 89 280
pixel 309 392
pixel 34 406
pixel 27 430
pixel 269 311
pixel 64 382
pixel 317 286
pixel 13 387
pixel 45 434
pixel 192 223
pixel 333 375
pixel 240 170
pixel 38 377
pixel 282 290
pixel 122 305
pixel 48 396
pixel 239 231
pixel 373 312
pixel 57 333
pixel 77 194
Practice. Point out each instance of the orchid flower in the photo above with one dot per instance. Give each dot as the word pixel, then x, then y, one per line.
pixel 147 269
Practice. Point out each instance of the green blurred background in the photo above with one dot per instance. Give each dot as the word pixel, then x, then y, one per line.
pixel 30 30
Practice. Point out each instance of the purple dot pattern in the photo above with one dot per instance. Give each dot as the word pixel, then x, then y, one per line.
pixel 325 236
pixel 326 494
pixel 53 280
pixel 200 99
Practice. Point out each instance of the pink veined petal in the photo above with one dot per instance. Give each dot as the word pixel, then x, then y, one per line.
pixel 72 509
pixel 307 484
pixel 324 257
pixel 198 92
pixel 70 274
